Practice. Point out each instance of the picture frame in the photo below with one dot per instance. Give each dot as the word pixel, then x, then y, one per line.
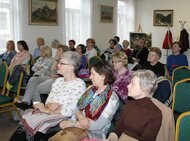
pixel 135 36
pixel 106 13
pixel 43 12
pixel 163 18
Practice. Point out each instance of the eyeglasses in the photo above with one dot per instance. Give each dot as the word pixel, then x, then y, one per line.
pixel 115 62
pixel 62 64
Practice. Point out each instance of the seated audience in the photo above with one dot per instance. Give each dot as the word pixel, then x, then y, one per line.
pixel 42 84
pixel 54 45
pixel 121 74
pixel 153 63
pixel 39 41
pixel 8 55
pixel 90 50
pixel 107 55
pixel 140 54
pixel 176 59
pixel 81 49
pixel 141 118
pixel 127 50
pixel 72 45
pixel 43 63
pixel 61 101
pixel 97 105
pixel 22 57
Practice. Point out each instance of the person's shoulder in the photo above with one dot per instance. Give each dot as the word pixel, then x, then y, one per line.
pixel 79 81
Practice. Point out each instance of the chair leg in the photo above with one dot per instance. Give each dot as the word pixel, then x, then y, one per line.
pixel 18 112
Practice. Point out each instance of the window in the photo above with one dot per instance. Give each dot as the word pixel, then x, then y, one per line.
pixel 126 18
pixel 8 15
pixel 78 20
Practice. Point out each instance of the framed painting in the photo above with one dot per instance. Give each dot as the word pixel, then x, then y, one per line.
pixel 106 13
pixel 163 18
pixel 135 36
pixel 43 12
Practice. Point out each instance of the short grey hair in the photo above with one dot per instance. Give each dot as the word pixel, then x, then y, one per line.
pixel 147 81
pixel 72 58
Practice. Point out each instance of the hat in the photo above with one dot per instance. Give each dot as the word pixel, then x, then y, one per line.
pixel 118 46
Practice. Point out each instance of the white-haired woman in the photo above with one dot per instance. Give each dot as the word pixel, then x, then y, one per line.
pixel 60 104
pixel 141 118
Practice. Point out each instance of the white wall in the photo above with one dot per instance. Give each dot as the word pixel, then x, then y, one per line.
pixel 145 19
pixel 103 32
pixel 29 33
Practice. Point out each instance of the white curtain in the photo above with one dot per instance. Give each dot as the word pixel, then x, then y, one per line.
pixel 78 20
pixel 9 29
pixel 126 18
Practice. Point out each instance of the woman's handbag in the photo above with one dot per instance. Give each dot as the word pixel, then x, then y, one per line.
pixel 70 134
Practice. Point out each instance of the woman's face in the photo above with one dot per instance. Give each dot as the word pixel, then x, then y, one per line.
pixel 42 53
pixel 96 78
pixel 117 64
pixel 153 56
pixel 9 46
pixel 64 67
pixel 20 47
pixel 134 89
pixel 78 50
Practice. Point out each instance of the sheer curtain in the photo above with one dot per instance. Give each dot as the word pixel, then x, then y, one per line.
pixel 126 18
pixel 8 22
pixel 78 20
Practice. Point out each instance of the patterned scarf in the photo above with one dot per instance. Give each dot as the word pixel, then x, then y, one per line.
pixel 93 106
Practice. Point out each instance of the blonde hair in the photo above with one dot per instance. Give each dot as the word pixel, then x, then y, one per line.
pixel 121 56
pixel 47 50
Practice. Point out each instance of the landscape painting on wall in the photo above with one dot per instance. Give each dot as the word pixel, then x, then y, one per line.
pixel 43 12
pixel 135 36
pixel 163 18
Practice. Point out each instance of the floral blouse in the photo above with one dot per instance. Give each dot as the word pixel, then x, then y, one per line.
pixel 42 66
pixel 121 83
pixel 67 94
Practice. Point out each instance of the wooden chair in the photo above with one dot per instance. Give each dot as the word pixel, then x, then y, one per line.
pixel 8 100
pixel 183 127
pixel 3 76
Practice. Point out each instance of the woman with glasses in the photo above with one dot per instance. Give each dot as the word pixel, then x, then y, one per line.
pixel 60 104
pixel 122 75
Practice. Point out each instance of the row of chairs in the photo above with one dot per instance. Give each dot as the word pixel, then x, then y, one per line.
pixel 8 98
pixel 181 102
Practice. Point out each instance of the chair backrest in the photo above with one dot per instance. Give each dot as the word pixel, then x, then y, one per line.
pixel 164 91
pixel 180 73
pixel 3 75
pixel 181 96
pixel 93 60
pixel 16 87
pixel 183 127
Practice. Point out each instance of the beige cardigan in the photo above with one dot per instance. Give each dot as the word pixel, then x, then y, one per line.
pixel 167 129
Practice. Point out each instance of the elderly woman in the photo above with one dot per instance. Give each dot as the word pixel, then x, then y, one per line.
pixel 122 75
pixel 98 104
pixel 141 118
pixel 42 65
pixel 22 57
pixel 8 55
pixel 42 84
pixel 153 62
pixel 61 101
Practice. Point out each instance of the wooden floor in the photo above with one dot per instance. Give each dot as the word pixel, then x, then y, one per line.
pixel 7 126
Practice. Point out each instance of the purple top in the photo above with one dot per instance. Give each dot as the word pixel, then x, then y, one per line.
pixel 121 83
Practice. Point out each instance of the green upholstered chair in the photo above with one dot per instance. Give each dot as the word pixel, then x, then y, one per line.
pixel 8 100
pixel 3 76
pixel 180 73
pixel 181 96
pixel 183 127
